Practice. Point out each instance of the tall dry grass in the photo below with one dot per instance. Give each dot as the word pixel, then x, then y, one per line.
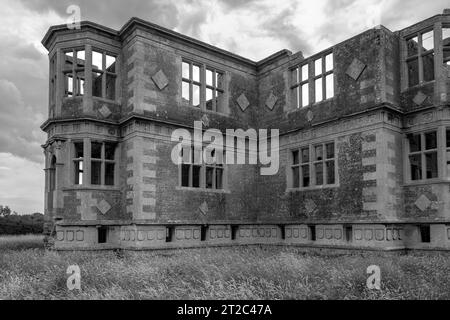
pixel 226 273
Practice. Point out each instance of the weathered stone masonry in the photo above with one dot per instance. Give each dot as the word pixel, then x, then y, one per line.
pixel 364 141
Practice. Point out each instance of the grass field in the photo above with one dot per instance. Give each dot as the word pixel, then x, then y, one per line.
pixel 27 271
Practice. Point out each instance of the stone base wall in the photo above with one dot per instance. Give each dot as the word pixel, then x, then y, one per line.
pixel 347 236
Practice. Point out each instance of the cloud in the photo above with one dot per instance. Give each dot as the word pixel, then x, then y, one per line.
pixel 21 186
pixel 19 125
pixel 112 13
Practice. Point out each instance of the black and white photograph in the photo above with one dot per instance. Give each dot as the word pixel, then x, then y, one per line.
pixel 224 156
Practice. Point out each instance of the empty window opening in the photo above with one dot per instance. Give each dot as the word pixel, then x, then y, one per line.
pixel 234 232
pixel 203 233
pixel 74 72
pixel 317 161
pixel 103 75
pixel 78 162
pixel 312 233
pixel 170 232
pixel 446 45
pixel 102 234
pixel 423 156
pixel 320 80
pixel 283 232
pixel 202 87
pixel 425 234
pixel 420 58
pixel 349 233
pixel 194 173
pixel 102 163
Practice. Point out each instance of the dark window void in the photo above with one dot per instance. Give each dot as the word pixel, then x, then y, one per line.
pixel 425 234
pixel 416 167
pixel 415 144
pixel 234 232
pixel 102 234
pixel 312 233
pixel 349 233
pixel 423 156
pixel 283 232
pixel 296 177
pixel 203 233
pixel 432 165
pixel 306 177
pixel 413 72
pixel 185 175
pixel 109 174
pixel 196 176
pixel 448 138
pixel 96 173
pixel 170 233
pixel 428 67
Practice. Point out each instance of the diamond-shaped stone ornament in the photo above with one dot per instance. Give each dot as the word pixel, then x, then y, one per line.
pixel 310 116
pixel 104 111
pixel 355 69
pixel 104 206
pixel 310 206
pixel 204 208
pixel 271 101
pixel 160 80
pixel 423 203
pixel 205 120
pixel 420 98
pixel 243 102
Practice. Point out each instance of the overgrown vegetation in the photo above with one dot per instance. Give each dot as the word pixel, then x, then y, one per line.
pixel 29 272
pixel 14 224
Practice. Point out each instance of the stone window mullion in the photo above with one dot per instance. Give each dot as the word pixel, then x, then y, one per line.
pixel 102 166
pixel 202 87
pixel 103 75
pixel 421 77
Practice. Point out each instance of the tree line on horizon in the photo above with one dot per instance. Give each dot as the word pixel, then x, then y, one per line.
pixel 11 223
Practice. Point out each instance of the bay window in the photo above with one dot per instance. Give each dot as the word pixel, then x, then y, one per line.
pixel 423 156
pixel 102 73
pixel 101 160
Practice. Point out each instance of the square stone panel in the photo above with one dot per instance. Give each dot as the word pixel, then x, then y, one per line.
pixel 243 102
pixel 104 111
pixel 160 80
pixel 423 203
pixel 420 98
pixel 355 69
pixel 271 101
pixel 104 206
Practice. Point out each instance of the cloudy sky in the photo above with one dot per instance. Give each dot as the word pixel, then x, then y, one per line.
pixel 254 29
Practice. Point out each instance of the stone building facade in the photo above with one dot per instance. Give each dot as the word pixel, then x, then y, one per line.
pixel 364 154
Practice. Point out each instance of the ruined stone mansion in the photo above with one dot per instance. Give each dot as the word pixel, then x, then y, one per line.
pixel 364 141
